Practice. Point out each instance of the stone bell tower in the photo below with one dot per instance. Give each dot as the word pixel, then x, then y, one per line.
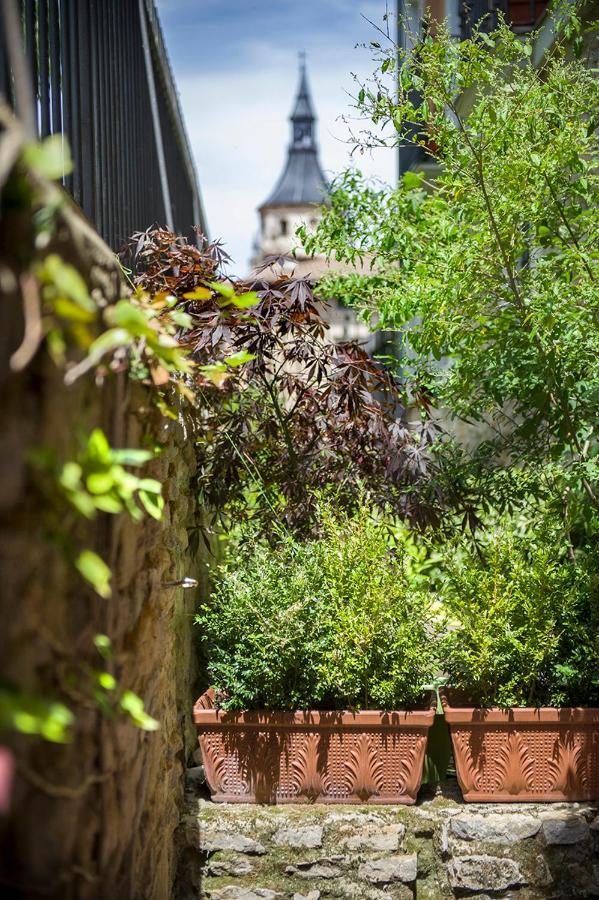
pixel 297 199
pixel 300 191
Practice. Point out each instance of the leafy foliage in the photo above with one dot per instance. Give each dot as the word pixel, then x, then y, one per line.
pixel 338 621
pixel 491 270
pixel 285 410
pixel 62 316
pixel 33 715
pixel 522 616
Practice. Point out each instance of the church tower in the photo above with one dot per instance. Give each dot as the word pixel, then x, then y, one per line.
pixel 296 200
pixel 300 190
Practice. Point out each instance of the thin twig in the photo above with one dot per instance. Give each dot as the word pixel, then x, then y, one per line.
pixel 62 791
pixel 32 316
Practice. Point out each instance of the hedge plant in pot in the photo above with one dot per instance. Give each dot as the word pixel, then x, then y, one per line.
pixel 316 653
pixel 522 659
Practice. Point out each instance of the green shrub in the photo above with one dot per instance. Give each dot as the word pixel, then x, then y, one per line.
pixel 523 619
pixel 336 622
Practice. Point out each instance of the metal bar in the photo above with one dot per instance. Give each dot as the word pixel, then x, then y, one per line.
pixel 122 124
pixel 94 99
pixel 155 117
pixel 31 52
pixel 23 87
pixel 72 85
pixel 109 125
pixel 4 77
pixel 44 67
pixel 84 67
pixel 103 137
pixel 54 59
pixel 66 98
pixel 129 101
pixel 118 133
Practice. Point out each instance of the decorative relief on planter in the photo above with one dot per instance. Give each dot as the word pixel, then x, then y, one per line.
pixel 528 755
pixel 324 757
pixel 364 770
pixel 309 776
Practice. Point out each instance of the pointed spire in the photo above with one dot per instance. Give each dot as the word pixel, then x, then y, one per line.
pixel 302 180
pixel 302 117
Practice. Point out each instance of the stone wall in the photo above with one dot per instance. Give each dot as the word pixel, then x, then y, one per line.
pixel 95 818
pixel 439 849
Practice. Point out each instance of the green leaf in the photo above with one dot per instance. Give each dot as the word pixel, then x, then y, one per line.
pixel 110 340
pixel 103 645
pixel 106 681
pixel 130 317
pixel 72 312
pixel 134 707
pixel 225 290
pixel 131 456
pixel 181 318
pixel 98 447
pixel 50 158
pixel 412 181
pixel 70 476
pixel 244 301
pixel 99 482
pixel 34 715
pixel 66 280
pixel 199 293
pixel 108 503
pixel 95 570
pixel 239 358
pixel 83 503
pixel 152 503
pixel 150 484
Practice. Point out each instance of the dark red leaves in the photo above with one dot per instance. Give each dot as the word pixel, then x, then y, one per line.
pixel 305 413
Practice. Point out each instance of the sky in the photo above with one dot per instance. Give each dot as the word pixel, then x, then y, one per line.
pixel 236 69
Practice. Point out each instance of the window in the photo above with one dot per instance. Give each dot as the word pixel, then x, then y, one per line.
pixel 283 226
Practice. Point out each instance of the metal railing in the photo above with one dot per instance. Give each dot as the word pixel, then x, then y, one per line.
pixel 98 72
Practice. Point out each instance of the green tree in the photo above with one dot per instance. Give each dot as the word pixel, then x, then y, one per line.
pixel 491 268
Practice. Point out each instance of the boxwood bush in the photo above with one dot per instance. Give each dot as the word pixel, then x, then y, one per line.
pixel 522 617
pixel 337 622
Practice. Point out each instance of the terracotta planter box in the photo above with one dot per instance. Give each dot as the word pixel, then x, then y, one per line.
pixel 321 757
pixel 525 755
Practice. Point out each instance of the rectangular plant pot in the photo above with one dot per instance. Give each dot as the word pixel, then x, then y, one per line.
pixel 524 755
pixel 321 757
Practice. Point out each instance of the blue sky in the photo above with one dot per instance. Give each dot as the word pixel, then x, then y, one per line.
pixel 236 63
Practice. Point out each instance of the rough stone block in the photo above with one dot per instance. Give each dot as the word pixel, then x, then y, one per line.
pixel 311 895
pixel 328 867
pixel 484 873
pixel 210 841
pixel 540 872
pixel 382 839
pixel 235 867
pixel 314 870
pixel 235 892
pixel 564 829
pixel 495 828
pixel 308 837
pixel 389 869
